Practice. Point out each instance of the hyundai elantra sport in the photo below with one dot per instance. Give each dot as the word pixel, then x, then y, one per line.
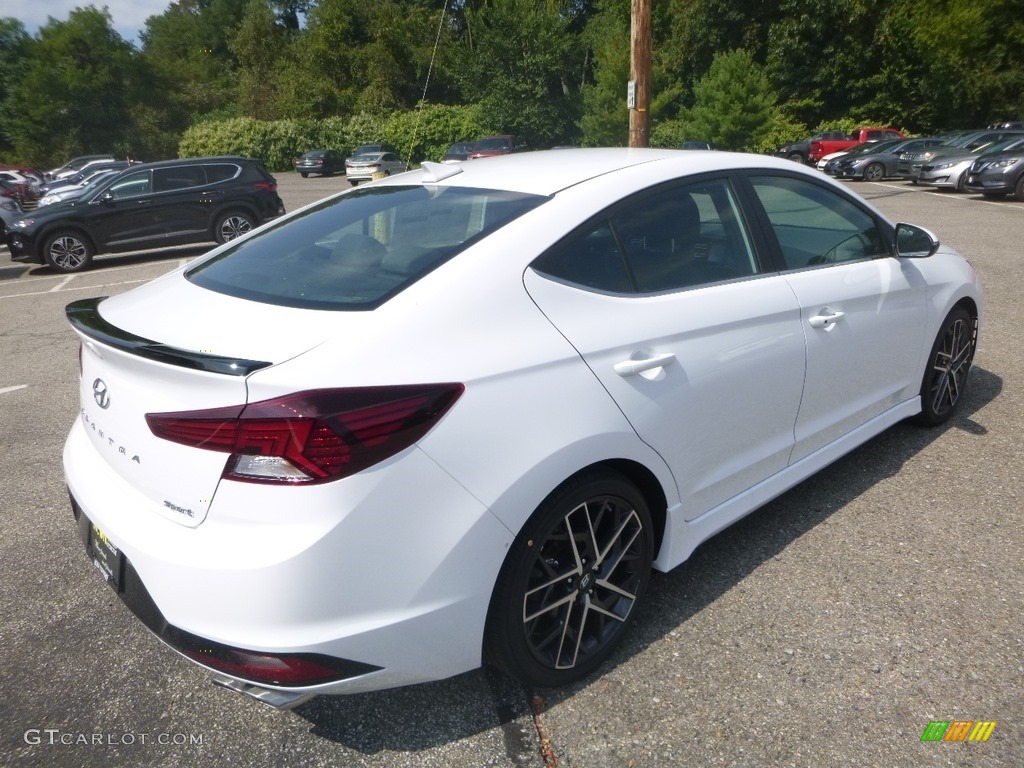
pixel 456 417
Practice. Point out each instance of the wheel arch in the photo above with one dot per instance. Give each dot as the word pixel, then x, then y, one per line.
pixel 641 476
pixel 236 206
pixel 44 236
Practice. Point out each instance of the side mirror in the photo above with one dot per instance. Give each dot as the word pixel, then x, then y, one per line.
pixel 914 242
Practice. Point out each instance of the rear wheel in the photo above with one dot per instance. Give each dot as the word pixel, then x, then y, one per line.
pixel 570 585
pixel 945 379
pixel 796 157
pixel 68 251
pixel 231 225
pixel 304 175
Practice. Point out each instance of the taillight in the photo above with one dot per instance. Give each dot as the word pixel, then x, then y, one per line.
pixel 266 186
pixel 314 436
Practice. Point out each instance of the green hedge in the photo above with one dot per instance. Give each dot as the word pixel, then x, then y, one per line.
pixel 420 134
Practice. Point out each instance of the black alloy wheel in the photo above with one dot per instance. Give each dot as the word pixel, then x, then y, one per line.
pixel 945 379
pixel 569 588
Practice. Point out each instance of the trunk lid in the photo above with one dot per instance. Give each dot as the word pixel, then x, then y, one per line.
pixel 142 354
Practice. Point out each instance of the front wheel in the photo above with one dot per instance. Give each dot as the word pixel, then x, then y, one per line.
pixel 945 379
pixel 796 157
pixel 570 585
pixel 874 172
pixel 68 252
pixel 231 225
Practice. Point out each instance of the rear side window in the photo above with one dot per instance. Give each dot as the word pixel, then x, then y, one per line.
pixel 356 251
pixel 178 177
pixel 220 171
pixel 681 237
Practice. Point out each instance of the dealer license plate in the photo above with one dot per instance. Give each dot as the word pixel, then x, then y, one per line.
pixel 107 558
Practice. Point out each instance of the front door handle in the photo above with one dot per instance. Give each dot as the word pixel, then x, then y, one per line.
pixel 826 319
pixel 633 367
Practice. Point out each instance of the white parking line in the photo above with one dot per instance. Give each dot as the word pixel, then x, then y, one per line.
pixel 5 390
pixel 76 288
pixel 62 283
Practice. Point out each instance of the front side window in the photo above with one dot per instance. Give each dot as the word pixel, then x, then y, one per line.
pixel 676 238
pixel 814 225
pixel 358 250
pixel 133 184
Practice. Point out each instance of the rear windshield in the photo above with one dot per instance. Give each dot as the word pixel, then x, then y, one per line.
pixel 356 251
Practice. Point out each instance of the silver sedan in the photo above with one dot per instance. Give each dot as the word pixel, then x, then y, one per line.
pixel 375 166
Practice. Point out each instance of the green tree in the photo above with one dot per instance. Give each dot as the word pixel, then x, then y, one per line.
pixel 14 43
pixel 75 91
pixel 734 104
pixel 521 63
pixel 973 58
pixel 257 45
pixel 188 50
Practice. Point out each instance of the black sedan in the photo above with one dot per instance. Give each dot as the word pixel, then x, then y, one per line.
pixel 325 162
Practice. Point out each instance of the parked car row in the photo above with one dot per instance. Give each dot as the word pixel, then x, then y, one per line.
pixel 151 205
pixel 987 161
pixel 365 161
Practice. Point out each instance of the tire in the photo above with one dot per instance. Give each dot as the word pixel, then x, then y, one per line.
pixel 304 175
pixel 961 182
pixel 796 157
pixel 68 251
pixel 1019 189
pixel 874 172
pixel 945 378
pixel 231 225
pixel 559 607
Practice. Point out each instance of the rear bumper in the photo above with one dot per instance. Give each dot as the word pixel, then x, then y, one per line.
pixel 357 572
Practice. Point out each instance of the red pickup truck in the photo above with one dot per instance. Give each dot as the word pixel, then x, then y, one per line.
pixel 824 147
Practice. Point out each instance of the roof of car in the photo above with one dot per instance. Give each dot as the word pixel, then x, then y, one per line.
pixel 190 161
pixel 549 171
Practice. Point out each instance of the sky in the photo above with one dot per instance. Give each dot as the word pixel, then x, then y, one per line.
pixel 129 15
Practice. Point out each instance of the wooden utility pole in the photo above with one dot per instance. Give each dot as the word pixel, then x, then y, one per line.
pixel 640 73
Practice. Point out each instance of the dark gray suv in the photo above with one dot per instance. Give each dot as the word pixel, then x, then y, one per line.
pixel 174 202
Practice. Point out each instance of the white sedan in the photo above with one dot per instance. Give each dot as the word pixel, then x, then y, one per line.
pixel 456 417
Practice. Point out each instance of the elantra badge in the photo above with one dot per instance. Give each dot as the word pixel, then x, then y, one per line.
pixel 100 393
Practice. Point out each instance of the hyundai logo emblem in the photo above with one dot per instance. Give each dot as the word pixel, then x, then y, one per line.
pixel 100 393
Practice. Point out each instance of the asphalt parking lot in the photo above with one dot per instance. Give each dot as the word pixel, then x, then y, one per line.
pixel 827 629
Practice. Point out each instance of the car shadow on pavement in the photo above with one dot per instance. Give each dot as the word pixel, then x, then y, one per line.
pixel 133 259
pixel 423 716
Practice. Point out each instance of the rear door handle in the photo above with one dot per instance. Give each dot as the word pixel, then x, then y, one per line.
pixel 633 367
